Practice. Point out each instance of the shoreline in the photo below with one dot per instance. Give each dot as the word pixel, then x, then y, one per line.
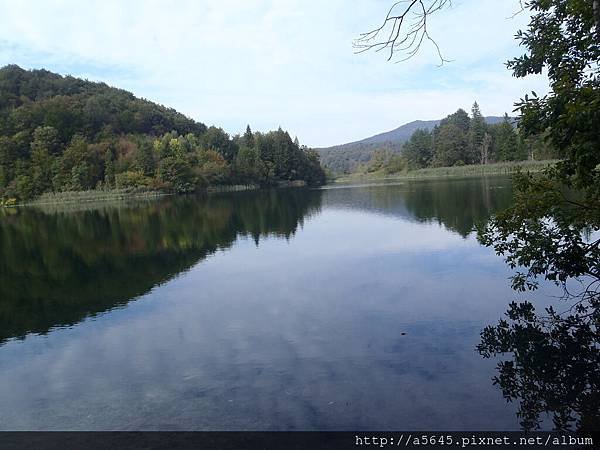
pixel 123 195
pixel 475 170
pixel 92 196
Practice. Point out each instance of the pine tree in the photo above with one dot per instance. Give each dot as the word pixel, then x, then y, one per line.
pixel 248 138
pixel 477 132
pixel 451 140
pixel 506 141
pixel 418 151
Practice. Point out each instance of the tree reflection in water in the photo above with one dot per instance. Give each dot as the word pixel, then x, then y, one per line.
pixel 555 365
pixel 549 234
pixel 58 267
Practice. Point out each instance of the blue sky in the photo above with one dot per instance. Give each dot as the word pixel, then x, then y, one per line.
pixel 271 63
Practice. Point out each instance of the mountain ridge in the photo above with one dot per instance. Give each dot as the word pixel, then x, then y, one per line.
pixel 345 157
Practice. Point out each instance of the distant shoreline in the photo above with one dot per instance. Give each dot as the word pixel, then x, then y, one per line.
pixel 474 170
pixel 117 195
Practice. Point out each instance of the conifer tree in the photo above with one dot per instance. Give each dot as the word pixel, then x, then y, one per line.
pixel 477 132
pixel 248 139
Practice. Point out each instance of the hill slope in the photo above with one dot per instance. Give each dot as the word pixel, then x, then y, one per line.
pixel 29 99
pixel 345 157
pixel 60 133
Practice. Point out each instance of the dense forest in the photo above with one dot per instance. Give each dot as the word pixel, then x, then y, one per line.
pixel 66 134
pixel 459 140
pixel 346 158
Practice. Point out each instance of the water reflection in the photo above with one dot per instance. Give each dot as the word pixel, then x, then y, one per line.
pixel 456 204
pixel 354 308
pixel 550 365
pixel 58 267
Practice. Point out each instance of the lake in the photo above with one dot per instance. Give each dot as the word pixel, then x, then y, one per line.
pixel 344 308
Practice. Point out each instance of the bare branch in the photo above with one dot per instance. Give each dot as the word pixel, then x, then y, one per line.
pixel 519 11
pixel 406 21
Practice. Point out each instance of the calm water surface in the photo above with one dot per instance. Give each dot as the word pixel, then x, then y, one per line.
pixel 340 309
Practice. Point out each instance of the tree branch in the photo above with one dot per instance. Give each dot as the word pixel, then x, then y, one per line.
pixel 407 29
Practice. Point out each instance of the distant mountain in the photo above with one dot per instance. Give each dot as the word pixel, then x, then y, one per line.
pixel 345 157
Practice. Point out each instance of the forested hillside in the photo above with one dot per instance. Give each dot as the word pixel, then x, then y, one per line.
pixel 461 140
pixel 347 158
pixel 66 134
pixel 457 140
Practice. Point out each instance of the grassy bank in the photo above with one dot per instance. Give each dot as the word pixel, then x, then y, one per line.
pixel 79 199
pixel 91 196
pixel 504 168
pixel 251 187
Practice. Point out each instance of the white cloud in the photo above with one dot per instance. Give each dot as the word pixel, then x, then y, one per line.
pixel 271 63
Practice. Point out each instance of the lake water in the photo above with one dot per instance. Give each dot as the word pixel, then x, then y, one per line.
pixel 337 309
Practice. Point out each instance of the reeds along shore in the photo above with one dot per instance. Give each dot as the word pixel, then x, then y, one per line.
pixel 503 168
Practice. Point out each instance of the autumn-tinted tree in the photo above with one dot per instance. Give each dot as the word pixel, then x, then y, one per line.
pixel 61 133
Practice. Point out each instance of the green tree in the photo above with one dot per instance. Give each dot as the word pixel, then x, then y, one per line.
pixel 549 232
pixel 132 179
pixel 537 147
pixel 418 150
pixel 109 169
pixel 80 167
pixel 46 138
pixel 477 137
pixel 313 172
pixel 145 159
pixel 24 187
pixel 563 38
pixel 450 143
pixel 395 164
pixel 460 119
pixel 41 165
pixel 55 132
pixel 45 143
pixel 212 167
pixel 177 174
pixel 76 168
pixel 216 139
pixel 248 138
pixel 248 164
pixel 451 140
pixel 506 146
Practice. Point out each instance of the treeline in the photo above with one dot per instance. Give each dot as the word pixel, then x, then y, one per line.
pixel 66 134
pixel 462 140
pixel 347 157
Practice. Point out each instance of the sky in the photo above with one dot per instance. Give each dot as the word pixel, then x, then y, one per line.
pixel 275 63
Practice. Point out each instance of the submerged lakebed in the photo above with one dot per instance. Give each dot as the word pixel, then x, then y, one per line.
pixel 343 308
